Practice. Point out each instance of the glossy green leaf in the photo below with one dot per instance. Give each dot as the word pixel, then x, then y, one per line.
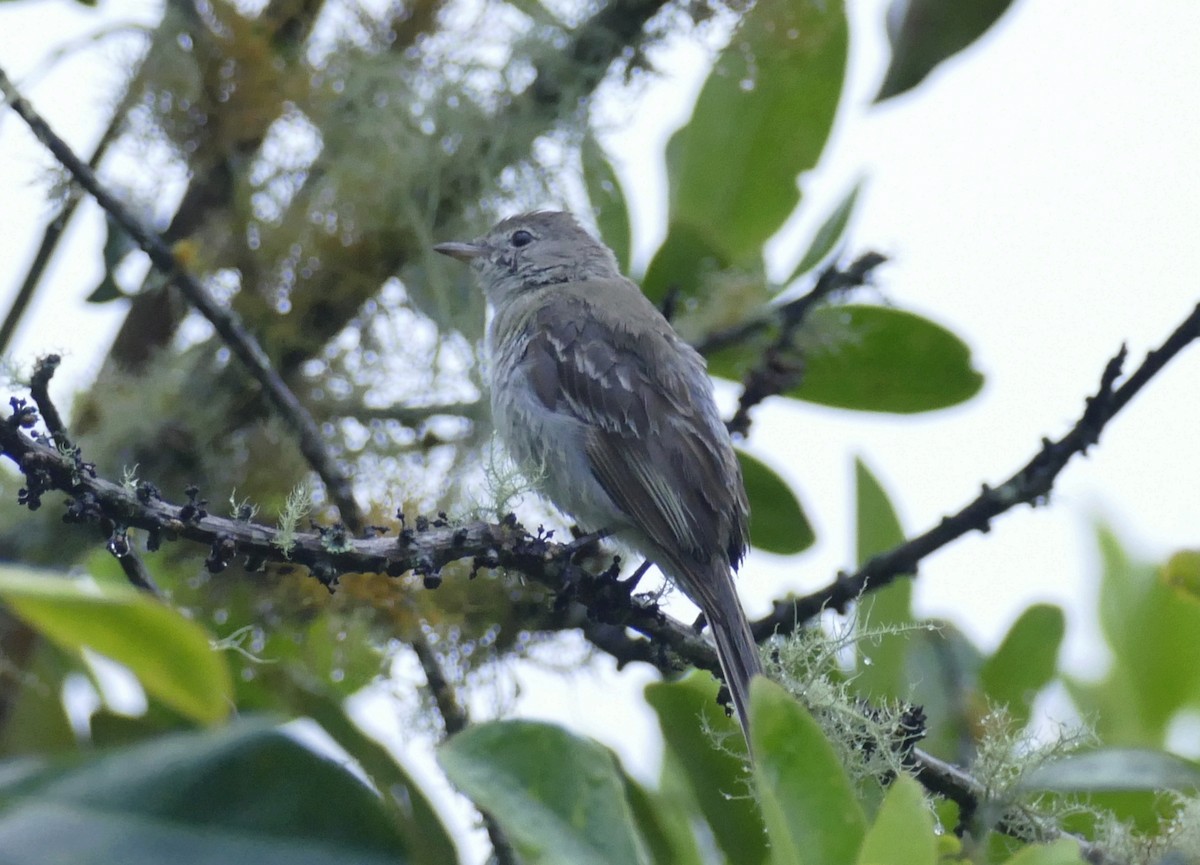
pixel 558 797
pixel 808 803
pixel 1063 852
pixel 829 235
pixel 881 669
pixel 902 833
pixel 930 32
pixel 777 521
pixel 170 655
pixel 1025 661
pixel 886 360
pixel 608 200
pixel 1121 769
pixel 245 793
pixel 762 118
pixel 715 775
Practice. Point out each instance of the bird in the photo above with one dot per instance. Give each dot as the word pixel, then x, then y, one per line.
pixel 611 414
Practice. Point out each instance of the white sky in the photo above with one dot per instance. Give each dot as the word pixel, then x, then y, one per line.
pixel 1040 196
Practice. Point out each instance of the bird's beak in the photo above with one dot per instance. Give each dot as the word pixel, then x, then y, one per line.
pixel 462 251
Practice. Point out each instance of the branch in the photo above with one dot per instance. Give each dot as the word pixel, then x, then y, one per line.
pixel 240 341
pixel 780 367
pixel 455 718
pixel 611 609
pixel 1031 485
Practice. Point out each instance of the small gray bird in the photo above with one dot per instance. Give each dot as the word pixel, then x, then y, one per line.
pixel 600 401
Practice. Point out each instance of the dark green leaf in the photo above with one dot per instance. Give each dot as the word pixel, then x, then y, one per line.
pixel 246 793
pixel 932 31
pixel 886 360
pixel 559 798
pixel 117 245
pixel 1115 769
pixel 881 670
pixel 169 654
pixel 715 775
pixel 1025 661
pixel 608 200
pixel 777 521
pixel 828 235
pixel 106 291
pixel 807 800
pixel 762 117
pixel 427 840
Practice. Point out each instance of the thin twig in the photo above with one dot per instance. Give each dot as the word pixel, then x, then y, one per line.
pixel 780 368
pixel 455 719
pixel 240 341
pixel 54 233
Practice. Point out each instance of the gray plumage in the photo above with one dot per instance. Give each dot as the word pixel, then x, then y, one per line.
pixel 596 397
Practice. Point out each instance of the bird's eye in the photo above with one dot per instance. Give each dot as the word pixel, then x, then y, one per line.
pixel 521 237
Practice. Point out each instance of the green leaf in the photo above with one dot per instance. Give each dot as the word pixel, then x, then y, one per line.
pixel 35 721
pixel 1120 769
pixel 705 755
pixel 762 118
pixel 930 32
pixel 881 666
pixel 889 361
pixel 427 840
pixel 902 833
pixel 1025 661
pixel 1059 853
pixel 943 664
pixel 608 200
pixel 559 798
pixel 117 245
pixel 665 824
pixel 169 654
pixel 1150 627
pixel 777 521
pixel 807 800
pixel 681 263
pixel 245 793
pixel 828 235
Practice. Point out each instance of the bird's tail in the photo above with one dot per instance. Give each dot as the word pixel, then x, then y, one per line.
pixel 736 649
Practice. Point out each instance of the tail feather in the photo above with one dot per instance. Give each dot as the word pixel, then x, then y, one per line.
pixel 737 652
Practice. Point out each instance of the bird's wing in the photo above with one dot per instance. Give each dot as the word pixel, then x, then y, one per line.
pixel 655 443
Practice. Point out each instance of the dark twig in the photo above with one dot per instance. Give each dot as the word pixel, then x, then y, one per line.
pixel 1031 485
pixel 39 389
pixel 781 367
pixel 53 234
pixel 455 719
pixel 224 321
